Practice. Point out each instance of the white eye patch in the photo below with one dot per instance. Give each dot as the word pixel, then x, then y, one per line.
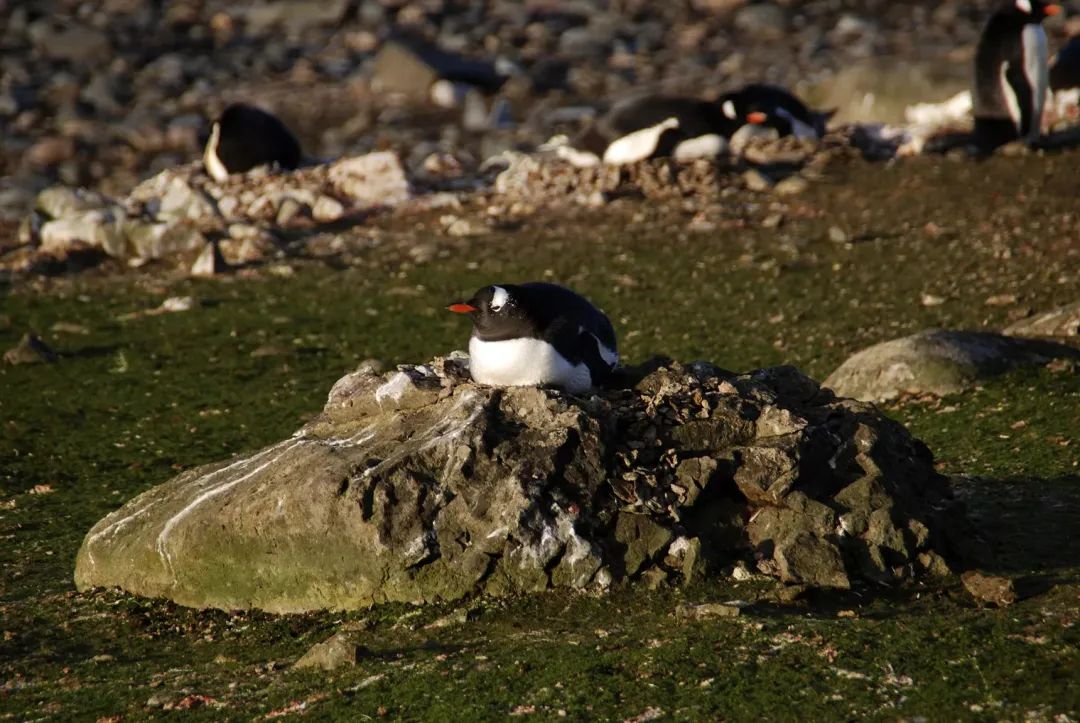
pixel 1024 6
pixel 499 298
pixel 729 107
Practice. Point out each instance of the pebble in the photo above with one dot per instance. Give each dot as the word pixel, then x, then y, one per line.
pixel 30 350
pixel 757 181
pixel 327 209
pixel 791 186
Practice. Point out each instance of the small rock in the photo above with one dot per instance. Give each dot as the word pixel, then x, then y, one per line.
pixel 209 262
pixel 327 209
pixel 791 593
pixel 791 186
pixel 707 611
pixel 763 20
pixel 338 651
pixel 177 303
pixel 80 44
pixel 773 220
pixel 456 226
pixel 757 181
pixel 929 300
pixel 837 235
pixel 291 210
pixel 30 350
pixel 377 179
pixel 988 588
pixel 162 240
pixel 50 152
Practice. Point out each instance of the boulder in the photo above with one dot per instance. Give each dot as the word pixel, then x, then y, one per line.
pixel 410 66
pixel 375 179
pixel 1063 321
pixel 937 362
pixel 419 485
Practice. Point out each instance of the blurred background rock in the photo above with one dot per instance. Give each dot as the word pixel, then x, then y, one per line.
pixel 101 93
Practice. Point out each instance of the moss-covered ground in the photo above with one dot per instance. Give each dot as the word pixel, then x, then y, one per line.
pixel 868 253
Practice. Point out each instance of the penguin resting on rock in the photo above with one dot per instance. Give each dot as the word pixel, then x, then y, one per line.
pixel 1011 74
pixel 245 137
pixel 538 334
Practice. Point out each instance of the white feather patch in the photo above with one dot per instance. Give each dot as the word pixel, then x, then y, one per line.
pixel 1010 96
pixel 729 109
pixel 639 145
pixel 499 298
pixel 706 146
pixel 577 158
pixel 609 355
pixel 1024 6
pixel 213 164
pixel 525 362
pixel 1036 58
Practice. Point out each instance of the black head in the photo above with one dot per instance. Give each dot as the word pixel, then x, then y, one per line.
pixel 744 108
pixel 498 312
pixel 1028 11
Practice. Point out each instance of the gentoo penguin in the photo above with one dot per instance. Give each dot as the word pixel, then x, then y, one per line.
pixel 775 108
pixel 654 126
pixel 538 334
pixel 245 137
pixel 1011 74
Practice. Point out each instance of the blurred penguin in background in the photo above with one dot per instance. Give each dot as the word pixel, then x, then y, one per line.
pixel 245 137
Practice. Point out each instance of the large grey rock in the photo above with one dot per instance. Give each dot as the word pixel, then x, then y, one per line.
pixel 375 179
pixel 1063 321
pixel 419 485
pixel 103 229
pixel 936 362
pixel 410 66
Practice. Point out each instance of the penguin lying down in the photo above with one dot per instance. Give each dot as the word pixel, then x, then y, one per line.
pixel 655 126
pixel 245 137
pixel 538 334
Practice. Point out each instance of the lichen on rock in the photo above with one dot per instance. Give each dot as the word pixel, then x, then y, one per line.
pixel 420 485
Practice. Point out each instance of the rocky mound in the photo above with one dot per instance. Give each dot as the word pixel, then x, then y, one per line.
pixel 177 211
pixel 420 485
pixel 761 164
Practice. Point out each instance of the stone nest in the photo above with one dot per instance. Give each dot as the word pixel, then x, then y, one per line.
pixel 419 485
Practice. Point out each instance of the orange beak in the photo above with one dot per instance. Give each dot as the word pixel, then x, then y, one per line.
pixel 757 117
pixel 1052 10
pixel 462 308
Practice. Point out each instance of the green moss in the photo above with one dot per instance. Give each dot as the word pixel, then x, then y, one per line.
pixel 131 402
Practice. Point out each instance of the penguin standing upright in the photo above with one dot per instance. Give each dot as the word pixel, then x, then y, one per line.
pixel 244 137
pixel 538 334
pixel 1011 73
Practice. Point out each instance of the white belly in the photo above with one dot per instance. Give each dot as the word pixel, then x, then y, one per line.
pixel 524 363
pixel 1033 40
pixel 639 145
pixel 213 164
pixel 706 146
